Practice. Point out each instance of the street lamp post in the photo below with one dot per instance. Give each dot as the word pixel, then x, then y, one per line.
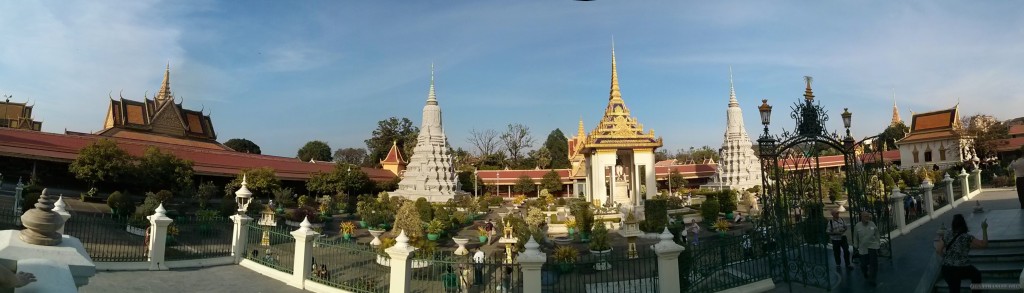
pixel 243 196
pixel 476 193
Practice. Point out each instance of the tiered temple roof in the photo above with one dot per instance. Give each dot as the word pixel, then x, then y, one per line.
pixel 617 128
pixel 937 125
pixel 18 115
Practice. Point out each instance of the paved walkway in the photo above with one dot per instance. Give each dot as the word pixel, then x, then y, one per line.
pixel 229 278
pixel 912 252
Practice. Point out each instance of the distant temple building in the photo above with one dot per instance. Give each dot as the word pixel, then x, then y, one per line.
pixel 159 119
pixel 429 173
pixel 18 115
pixel 739 168
pixel 934 141
pixel 394 162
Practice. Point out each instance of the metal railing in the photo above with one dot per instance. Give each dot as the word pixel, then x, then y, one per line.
pixel 614 272
pixel 725 262
pixel 350 266
pixel 957 190
pixel 445 272
pixel 193 237
pixel 109 238
pixel 9 218
pixel 273 247
pixel 939 198
pixel 913 204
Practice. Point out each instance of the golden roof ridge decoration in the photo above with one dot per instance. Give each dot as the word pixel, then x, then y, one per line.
pixel 617 127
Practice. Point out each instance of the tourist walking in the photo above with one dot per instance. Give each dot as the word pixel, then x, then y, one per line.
pixel 865 237
pixel 478 259
pixel 840 245
pixel 694 231
pixel 1018 170
pixel 465 276
pixel 489 227
pixel 954 248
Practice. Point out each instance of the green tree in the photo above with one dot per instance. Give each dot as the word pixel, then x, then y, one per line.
pixel 466 181
pixel 892 134
pixel 727 201
pixel 709 210
pixel 661 155
pixel 158 170
pixel 704 153
pixel 539 158
pixel 207 190
pixel 558 147
pixel 524 185
pixel 988 134
pixel 243 145
pixel 409 220
pixel 551 181
pixel 516 139
pixel 260 181
pixel 101 161
pixel 426 211
pixel 388 132
pixel 315 150
pixel 353 156
pixel 677 180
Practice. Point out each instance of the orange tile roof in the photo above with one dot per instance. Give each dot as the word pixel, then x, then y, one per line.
pixel 936 120
pixel 1016 130
pixel 929 135
pixel 214 162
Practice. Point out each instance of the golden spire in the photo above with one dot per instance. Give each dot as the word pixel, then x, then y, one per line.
pixel 165 88
pixel 808 94
pixel 580 131
pixel 614 92
pixel 431 97
pixel 895 111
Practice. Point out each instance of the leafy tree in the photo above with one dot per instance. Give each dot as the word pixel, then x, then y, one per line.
pixel 323 183
pixel 495 161
pixel 551 182
pixel 426 211
pixel 121 203
pixel 158 170
pixel 988 134
pixel 677 180
pixel 705 152
pixel 524 185
pixel 353 156
pixel 243 146
pixel 315 150
pixel 540 158
pixel 409 220
pixel 709 210
pixel 101 161
pixel 516 139
pixel 207 190
pixel 727 201
pixel 661 155
pixel 388 132
pixel 558 148
pixel 892 134
pixel 260 181
pixel 485 141
pixel 466 181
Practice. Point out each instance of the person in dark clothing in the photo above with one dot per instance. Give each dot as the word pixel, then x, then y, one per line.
pixel 954 248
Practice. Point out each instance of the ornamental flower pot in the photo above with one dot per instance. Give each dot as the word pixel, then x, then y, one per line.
pixel 362 224
pixel 432 236
pixel 346 236
pixel 602 263
pixel 483 239
pixel 572 231
pixel 376 236
pixel 584 237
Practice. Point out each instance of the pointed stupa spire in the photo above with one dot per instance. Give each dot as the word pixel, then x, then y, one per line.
pixel 165 88
pixel 808 93
pixel 431 97
pixel 580 131
pixel 614 92
pixel 895 111
pixel 732 91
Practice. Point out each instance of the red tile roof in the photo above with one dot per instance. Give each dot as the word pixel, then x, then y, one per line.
pixel 511 176
pixel 1016 130
pixel 394 155
pixel 65 148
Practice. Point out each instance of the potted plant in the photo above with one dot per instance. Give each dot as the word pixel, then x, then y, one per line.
pixel 518 200
pixel 434 229
pixel 721 226
pixel 565 257
pixel 600 247
pixel 482 234
pixel 570 224
pixel 347 228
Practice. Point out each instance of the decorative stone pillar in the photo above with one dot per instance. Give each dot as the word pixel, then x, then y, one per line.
pixel 42 223
pixel 531 261
pixel 898 212
pixel 400 263
pixel 59 208
pixel 949 190
pixel 929 202
pixel 303 261
pixel 965 184
pixel 158 238
pixel 239 236
pixel 668 263
pixel 976 179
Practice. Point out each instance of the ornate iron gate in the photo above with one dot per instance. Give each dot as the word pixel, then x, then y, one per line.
pixel 792 202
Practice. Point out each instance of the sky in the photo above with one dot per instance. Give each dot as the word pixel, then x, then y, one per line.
pixel 281 73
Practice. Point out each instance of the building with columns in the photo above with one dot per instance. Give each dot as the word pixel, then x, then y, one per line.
pixel 429 173
pixel 619 155
pixel 739 168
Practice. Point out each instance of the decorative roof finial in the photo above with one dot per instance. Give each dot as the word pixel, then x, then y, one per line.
pixel 614 92
pixel 895 111
pixel 808 94
pixel 165 89
pixel 732 91
pixel 431 97
pixel 580 131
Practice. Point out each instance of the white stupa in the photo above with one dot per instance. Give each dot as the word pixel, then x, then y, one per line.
pixel 430 173
pixel 738 168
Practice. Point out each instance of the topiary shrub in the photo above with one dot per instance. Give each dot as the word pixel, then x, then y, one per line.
pixel 655 215
pixel 599 238
pixel 534 217
pixel 709 210
pixel 120 204
pixel 727 201
pixel 426 211
pixel 584 216
pixel 408 219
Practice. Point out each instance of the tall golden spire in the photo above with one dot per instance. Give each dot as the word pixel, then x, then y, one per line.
pixel 808 94
pixel 895 111
pixel 580 131
pixel 614 92
pixel 165 89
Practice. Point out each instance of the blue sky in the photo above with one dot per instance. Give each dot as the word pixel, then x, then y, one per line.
pixel 281 73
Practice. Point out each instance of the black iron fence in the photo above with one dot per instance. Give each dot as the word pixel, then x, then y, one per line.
pixel 913 204
pixel 445 272
pixel 9 218
pixel 271 246
pixel 109 238
pixel 350 266
pixel 939 196
pixel 609 272
pixel 958 188
pixel 194 237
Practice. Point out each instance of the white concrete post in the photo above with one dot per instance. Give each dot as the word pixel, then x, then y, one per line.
pixel 531 261
pixel 668 263
pixel 976 178
pixel 400 263
pixel 303 261
pixel 239 236
pixel 949 190
pixel 158 223
pixel 929 201
pixel 60 208
pixel 898 212
pixel 965 184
